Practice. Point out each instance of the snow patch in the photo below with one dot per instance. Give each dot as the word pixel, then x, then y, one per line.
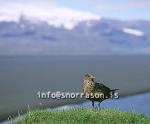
pixel 133 31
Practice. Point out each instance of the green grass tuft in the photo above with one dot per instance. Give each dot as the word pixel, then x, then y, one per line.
pixel 84 116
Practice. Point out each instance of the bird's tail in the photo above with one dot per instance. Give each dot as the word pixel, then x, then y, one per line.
pixel 113 91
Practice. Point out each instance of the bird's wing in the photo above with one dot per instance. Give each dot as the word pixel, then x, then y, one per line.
pixel 101 87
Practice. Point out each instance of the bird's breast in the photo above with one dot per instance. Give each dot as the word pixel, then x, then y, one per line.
pixel 88 87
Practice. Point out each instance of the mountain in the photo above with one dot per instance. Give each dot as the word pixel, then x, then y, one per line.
pixel 34 36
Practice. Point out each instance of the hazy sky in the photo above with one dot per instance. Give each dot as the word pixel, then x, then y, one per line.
pixel 120 9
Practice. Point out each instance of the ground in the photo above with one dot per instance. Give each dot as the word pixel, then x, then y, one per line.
pixel 84 116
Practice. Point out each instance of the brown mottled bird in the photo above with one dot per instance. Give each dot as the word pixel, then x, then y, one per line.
pixel 96 91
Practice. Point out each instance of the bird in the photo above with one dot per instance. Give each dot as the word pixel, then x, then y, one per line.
pixel 94 91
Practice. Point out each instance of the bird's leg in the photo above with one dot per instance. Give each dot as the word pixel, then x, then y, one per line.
pixel 99 105
pixel 93 104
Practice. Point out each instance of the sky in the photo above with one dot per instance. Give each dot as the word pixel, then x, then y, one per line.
pixel 116 9
pixel 120 9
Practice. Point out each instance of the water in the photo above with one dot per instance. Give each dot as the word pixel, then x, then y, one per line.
pixel 22 77
pixel 137 104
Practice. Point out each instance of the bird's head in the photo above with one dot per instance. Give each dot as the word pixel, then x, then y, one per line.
pixel 89 76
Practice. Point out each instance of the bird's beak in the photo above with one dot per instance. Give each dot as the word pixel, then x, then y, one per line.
pixel 93 77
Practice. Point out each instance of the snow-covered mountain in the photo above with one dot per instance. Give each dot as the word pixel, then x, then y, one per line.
pixel 81 33
pixel 68 18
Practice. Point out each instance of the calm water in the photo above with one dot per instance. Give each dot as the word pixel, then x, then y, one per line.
pixel 137 103
pixel 22 77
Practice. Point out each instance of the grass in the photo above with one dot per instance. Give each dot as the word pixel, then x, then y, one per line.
pixel 83 116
